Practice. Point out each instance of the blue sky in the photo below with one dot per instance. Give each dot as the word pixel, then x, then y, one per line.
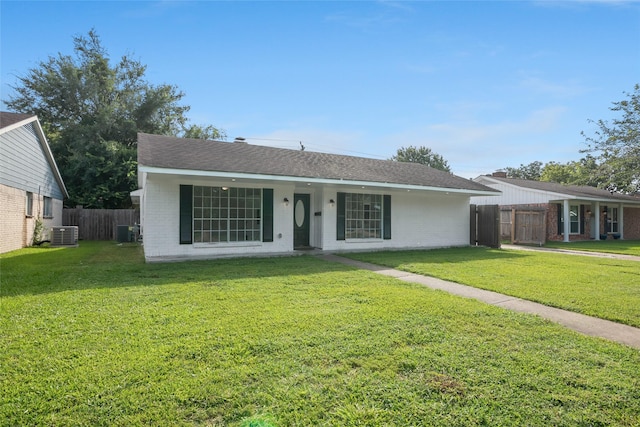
pixel 484 84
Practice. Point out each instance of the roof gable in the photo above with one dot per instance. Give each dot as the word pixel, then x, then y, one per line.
pixel 203 155
pixel 12 126
pixel 10 121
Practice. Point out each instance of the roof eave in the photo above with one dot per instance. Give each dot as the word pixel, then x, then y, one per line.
pixel 52 162
pixel 18 125
pixel 562 196
pixel 327 181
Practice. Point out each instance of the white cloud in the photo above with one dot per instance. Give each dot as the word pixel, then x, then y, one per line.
pixel 472 148
pixel 567 89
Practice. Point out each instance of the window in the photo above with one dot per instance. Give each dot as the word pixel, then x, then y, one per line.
pixel 48 207
pixel 226 214
pixel 574 217
pixel 363 216
pixel 29 203
pixel 574 220
pixel 612 220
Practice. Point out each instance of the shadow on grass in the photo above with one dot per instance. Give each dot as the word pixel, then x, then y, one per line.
pixel 94 265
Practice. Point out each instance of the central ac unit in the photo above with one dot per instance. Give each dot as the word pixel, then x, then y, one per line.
pixel 64 236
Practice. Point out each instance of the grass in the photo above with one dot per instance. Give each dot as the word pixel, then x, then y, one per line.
pixel 601 287
pixel 625 247
pixel 93 336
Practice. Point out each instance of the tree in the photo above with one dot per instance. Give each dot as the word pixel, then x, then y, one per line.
pixel 422 155
pixel 532 171
pixel 91 112
pixel 581 172
pixel 204 132
pixel 617 145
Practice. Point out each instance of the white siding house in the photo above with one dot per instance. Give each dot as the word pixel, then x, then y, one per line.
pixel 31 187
pixel 206 199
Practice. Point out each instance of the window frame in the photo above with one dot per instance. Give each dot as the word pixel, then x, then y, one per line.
pixel 364 216
pixel 613 219
pixel 222 215
pixel 47 207
pixel 29 204
pixel 574 219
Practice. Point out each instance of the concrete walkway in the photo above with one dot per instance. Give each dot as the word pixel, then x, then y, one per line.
pixel 573 252
pixel 578 322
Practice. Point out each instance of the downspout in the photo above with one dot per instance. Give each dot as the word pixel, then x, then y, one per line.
pixel 567 218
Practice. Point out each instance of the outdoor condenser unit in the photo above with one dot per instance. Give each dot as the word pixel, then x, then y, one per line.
pixel 64 236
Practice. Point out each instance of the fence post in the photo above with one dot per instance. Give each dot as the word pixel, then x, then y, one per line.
pixel 513 225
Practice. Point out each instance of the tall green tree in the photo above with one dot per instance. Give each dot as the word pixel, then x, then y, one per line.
pixel 616 145
pixel 582 172
pixel 422 155
pixel 91 112
pixel 532 171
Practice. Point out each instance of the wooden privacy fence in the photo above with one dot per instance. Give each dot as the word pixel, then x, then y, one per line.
pixel 99 224
pixel 527 226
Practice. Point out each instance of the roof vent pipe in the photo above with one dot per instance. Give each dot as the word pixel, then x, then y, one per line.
pixel 240 140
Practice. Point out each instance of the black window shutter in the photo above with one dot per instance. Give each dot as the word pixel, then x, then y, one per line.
pixel 560 228
pixel 341 210
pixel 267 214
pixel 186 208
pixel 386 217
pixel 581 219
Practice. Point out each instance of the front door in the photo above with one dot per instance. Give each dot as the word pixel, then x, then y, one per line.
pixel 301 221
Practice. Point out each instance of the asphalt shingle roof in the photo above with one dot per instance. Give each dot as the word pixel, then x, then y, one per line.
pixel 196 154
pixel 571 190
pixel 7 119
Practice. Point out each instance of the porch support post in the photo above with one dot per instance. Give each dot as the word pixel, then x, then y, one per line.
pixel 596 214
pixel 567 219
pixel 621 221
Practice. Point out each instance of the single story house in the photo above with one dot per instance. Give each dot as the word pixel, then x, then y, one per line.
pixel 571 212
pixel 207 199
pixel 31 187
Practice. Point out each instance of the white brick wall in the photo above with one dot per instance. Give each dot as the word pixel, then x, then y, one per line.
pixel 161 222
pixel 419 220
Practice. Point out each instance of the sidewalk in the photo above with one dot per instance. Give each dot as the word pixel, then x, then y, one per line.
pixel 587 325
pixel 572 252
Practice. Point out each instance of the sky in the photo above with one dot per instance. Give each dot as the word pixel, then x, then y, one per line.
pixel 484 84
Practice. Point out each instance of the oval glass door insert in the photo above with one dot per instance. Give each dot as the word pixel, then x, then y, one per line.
pixel 299 213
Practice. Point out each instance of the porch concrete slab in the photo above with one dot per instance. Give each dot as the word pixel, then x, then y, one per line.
pixel 587 325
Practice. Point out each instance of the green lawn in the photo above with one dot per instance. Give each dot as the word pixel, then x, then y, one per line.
pixel 92 336
pixel 626 247
pixel 601 287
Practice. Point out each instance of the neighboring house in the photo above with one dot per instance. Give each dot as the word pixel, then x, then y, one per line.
pixel 571 212
pixel 31 187
pixel 206 199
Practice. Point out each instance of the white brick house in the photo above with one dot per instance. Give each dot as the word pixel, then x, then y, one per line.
pixel 206 199
pixel 31 187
